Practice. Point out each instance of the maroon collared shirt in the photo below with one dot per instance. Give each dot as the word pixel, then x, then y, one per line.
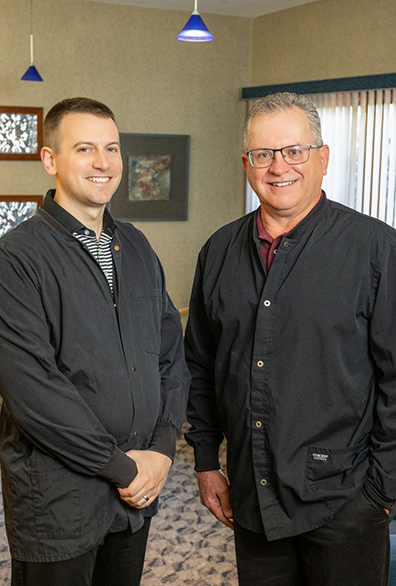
pixel 268 244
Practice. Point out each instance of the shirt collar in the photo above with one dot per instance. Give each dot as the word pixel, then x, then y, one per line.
pixel 264 235
pixel 69 222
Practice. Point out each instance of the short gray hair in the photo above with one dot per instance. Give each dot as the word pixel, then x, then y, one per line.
pixel 281 102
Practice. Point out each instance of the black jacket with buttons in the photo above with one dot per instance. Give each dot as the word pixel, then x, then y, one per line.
pixel 296 368
pixel 85 376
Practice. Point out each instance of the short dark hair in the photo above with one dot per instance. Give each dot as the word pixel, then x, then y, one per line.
pixel 71 106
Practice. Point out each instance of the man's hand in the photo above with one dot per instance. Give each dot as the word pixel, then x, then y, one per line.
pixel 213 488
pixel 153 469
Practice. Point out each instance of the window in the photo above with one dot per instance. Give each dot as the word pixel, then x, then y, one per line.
pixel 360 128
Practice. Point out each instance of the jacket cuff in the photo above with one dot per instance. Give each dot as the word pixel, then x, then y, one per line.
pixel 206 458
pixel 164 439
pixel 120 469
pixel 377 497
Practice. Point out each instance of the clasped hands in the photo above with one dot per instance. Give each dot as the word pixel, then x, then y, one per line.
pixel 153 469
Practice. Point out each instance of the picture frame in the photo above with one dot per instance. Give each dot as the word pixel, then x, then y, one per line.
pixel 21 133
pixel 15 209
pixel 154 184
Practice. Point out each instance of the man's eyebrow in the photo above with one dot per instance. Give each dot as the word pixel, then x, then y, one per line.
pixel 87 142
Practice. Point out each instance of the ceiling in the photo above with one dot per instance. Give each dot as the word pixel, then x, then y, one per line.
pixel 248 8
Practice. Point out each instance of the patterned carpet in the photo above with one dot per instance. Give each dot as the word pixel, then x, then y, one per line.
pixel 5 564
pixel 187 546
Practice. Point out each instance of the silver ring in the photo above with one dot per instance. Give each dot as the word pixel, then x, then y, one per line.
pixel 146 498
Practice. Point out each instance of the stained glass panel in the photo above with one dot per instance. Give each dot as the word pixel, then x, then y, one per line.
pixel 18 133
pixel 14 209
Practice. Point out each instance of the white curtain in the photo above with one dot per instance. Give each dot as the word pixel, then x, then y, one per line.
pixel 252 201
pixel 360 129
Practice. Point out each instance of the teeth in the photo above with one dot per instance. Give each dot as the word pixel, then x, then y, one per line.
pixel 283 184
pixel 99 179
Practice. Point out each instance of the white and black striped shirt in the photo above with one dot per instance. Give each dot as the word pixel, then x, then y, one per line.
pixel 100 250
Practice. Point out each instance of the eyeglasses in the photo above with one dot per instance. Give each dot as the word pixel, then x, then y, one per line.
pixel 295 154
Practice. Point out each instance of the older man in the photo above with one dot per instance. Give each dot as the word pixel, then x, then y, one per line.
pixel 92 369
pixel 291 344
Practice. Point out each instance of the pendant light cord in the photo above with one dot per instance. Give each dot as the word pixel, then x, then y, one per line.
pixel 31 32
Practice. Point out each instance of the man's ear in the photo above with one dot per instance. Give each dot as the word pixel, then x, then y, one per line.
pixel 48 159
pixel 245 161
pixel 324 153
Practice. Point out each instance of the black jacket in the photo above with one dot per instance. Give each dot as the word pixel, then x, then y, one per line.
pixel 296 368
pixel 84 378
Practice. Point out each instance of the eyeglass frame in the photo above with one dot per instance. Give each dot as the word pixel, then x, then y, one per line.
pixel 310 146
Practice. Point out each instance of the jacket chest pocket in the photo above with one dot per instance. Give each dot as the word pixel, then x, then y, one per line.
pixel 148 322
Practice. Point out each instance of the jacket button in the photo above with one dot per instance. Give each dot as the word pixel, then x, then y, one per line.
pixel 260 363
pixel 258 424
pixel 136 434
pixel 117 248
pixel 267 303
pixel 286 245
pixel 263 482
pixel 133 368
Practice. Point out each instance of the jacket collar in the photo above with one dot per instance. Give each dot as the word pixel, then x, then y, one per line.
pixel 69 222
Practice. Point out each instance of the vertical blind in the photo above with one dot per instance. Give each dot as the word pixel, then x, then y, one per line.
pixel 360 129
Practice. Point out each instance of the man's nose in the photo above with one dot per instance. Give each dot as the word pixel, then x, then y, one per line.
pixel 278 164
pixel 101 160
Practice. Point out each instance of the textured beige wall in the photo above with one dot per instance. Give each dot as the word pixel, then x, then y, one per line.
pixel 129 58
pixel 324 39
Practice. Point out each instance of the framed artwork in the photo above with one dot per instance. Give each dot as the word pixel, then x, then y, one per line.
pixel 14 209
pixel 154 184
pixel 21 133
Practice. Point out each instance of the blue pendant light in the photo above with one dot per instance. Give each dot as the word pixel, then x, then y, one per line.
pixel 31 73
pixel 194 30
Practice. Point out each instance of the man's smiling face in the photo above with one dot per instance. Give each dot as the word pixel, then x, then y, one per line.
pixel 286 191
pixel 87 166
